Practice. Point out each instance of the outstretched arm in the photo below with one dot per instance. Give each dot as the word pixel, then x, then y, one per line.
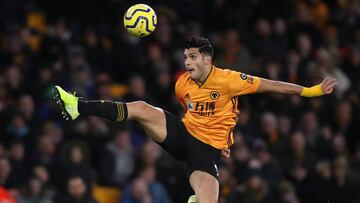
pixel 272 86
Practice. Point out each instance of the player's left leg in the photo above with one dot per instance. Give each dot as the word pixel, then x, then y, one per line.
pixel 152 119
pixel 205 186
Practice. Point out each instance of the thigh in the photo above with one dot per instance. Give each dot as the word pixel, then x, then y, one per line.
pixel 205 186
pixel 151 118
pixel 161 126
pixel 201 156
pixel 201 166
pixel 175 138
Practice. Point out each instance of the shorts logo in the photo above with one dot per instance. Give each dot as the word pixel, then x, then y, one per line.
pixel 243 76
pixel 214 95
pixel 216 169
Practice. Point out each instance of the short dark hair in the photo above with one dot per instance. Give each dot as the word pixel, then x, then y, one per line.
pixel 200 42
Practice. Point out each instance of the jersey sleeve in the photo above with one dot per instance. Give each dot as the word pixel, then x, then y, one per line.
pixel 241 83
pixel 179 92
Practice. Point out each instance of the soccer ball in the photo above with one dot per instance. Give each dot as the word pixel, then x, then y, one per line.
pixel 140 20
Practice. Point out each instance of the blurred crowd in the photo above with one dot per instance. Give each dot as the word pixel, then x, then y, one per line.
pixel 287 149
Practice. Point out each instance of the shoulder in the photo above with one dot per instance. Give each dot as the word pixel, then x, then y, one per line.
pixel 223 75
pixel 231 74
pixel 182 78
pixel 224 72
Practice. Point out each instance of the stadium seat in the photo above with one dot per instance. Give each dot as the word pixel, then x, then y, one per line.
pixel 104 194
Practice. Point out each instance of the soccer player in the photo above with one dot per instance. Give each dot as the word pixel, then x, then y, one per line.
pixel 209 97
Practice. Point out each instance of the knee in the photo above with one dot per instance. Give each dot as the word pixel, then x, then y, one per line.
pixel 139 110
pixel 136 109
pixel 140 104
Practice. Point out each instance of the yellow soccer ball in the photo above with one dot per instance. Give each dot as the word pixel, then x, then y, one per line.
pixel 140 20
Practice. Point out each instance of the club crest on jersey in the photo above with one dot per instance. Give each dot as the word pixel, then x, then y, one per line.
pixel 214 95
pixel 243 76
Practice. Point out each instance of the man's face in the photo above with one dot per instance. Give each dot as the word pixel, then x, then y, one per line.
pixel 76 188
pixel 194 63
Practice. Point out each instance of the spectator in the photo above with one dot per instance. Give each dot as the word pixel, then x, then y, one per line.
pixel 117 162
pixel 35 192
pixel 345 184
pixel 269 130
pixel 255 190
pixel 139 192
pixel 76 161
pixel 77 192
pixel 327 68
pixel 303 182
pixel 269 165
pixel 5 96
pixel 137 90
pixel 165 88
pixel 287 193
pixel 156 189
pixel 17 161
pixel 263 45
pixel 339 146
pixel 17 129
pixel 27 107
pixel 41 172
pixel 5 173
pixel 14 79
pixel 310 127
pixel 281 38
pixel 226 181
pixel 233 53
pixel 46 149
pixel 297 154
pixel 351 66
pixel 322 181
pixel 355 163
pixel 149 154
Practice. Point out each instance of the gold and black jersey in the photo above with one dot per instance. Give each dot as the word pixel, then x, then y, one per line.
pixel 211 108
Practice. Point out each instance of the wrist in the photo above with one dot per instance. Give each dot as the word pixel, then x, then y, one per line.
pixel 313 91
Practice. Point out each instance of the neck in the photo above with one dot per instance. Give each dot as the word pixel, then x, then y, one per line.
pixel 205 75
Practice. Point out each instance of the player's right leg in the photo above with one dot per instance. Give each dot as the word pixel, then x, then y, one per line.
pixel 151 118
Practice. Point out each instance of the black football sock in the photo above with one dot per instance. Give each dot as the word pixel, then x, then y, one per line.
pixel 114 111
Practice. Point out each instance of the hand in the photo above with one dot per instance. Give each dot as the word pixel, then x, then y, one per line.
pixel 225 153
pixel 328 84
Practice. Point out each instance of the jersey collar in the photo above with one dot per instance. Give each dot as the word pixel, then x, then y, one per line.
pixel 207 77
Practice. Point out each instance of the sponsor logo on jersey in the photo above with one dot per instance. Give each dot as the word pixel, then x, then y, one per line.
pixel 190 105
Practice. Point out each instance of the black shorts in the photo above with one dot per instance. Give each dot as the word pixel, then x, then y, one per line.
pixel 185 147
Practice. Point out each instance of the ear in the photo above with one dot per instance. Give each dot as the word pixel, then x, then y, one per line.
pixel 207 59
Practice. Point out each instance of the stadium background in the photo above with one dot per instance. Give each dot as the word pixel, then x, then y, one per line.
pixel 288 149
